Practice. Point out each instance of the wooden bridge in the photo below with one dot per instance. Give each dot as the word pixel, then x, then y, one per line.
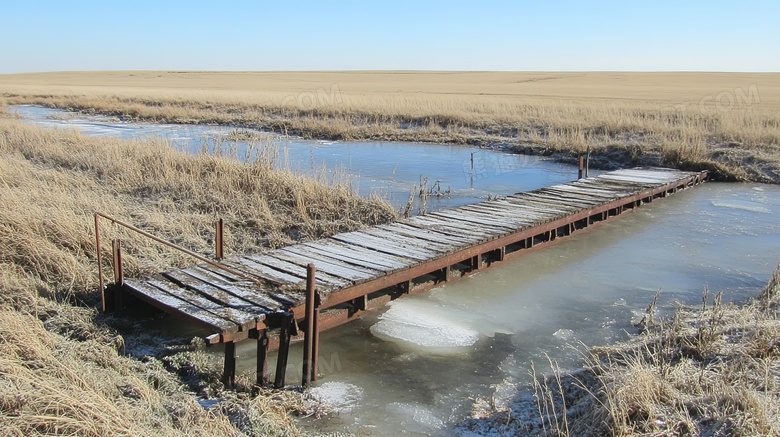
pixel 242 297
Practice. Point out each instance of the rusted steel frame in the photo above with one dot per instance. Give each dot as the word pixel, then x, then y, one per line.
pixel 392 279
pixel 308 339
pixel 179 248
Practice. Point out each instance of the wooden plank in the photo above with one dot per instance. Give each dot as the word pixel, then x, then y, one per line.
pixel 247 290
pixel 318 258
pixel 566 205
pixel 371 242
pixel 217 293
pixel 515 214
pixel 533 211
pixel 474 219
pixel 413 241
pixel 370 255
pixel 272 265
pixel 428 234
pixel 351 258
pixel 453 227
pixel 565 194
pixel 177 307
pixel 323 266
pixel 264 272
pixel 244 320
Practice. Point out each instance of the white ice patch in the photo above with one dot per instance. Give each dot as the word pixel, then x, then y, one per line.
pixel 339 396
pixel 746 206
pixel 619 303
pixel 424 418
pixel 424 324
pixel 564 334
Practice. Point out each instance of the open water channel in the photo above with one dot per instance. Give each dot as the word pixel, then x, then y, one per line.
pixel 415 367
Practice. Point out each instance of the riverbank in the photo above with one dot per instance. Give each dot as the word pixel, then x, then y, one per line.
pixel 68 369
pixel 725 123
pixel 712 370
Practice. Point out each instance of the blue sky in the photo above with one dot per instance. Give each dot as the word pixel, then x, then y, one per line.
pixel 401 35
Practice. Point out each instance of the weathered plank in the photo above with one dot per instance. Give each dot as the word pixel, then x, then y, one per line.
pixel 179 307
pixel 244 320
pixel 217 294
pixel 351 257
pixel 343 272
pixel 380 245
pixel 407 240
pixel 247 290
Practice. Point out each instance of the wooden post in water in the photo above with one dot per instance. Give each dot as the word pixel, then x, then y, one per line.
pixel 308 334
pixel 229 374
pixel 262 357
pixel 582 166
pixel 284 349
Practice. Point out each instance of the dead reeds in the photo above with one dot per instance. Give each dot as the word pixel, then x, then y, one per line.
pixel 61 372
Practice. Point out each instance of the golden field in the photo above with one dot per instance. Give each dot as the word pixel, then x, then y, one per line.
pixel 726 122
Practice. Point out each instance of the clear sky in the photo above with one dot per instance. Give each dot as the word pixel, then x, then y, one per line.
pixel 400 35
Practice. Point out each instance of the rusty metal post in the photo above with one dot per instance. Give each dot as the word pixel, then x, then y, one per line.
pixel 308 334
pixel 315 348
pixel 582 166
pixel 219 239
pixel 119 274
pixel 284 349
pixel 262 358
pixel 100 263
pixel 229 375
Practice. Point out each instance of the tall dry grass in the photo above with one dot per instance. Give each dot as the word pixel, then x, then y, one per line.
pixel 708 371
pixel 670 119
pixel 60 367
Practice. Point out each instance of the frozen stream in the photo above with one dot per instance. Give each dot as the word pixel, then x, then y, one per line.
pixel 385 168
pixel 415 367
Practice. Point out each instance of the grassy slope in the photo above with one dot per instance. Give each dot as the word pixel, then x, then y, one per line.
pixel 60 367
pixel 727 122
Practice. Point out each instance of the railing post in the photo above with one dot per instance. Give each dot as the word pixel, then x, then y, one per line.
pixel 100 263
pixel 309 335
pixel 219 240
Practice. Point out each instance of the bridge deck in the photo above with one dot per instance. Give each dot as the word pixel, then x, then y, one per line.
pixel 414 253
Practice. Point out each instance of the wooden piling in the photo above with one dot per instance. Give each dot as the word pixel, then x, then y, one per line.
pixel 229 374
pixel 287 320
pixel 262 357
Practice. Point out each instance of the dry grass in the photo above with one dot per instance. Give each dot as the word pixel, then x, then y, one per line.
pixel 61 370
pixel 725 122
pixel 710 371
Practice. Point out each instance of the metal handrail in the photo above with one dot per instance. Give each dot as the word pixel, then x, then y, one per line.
pixel 159 240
